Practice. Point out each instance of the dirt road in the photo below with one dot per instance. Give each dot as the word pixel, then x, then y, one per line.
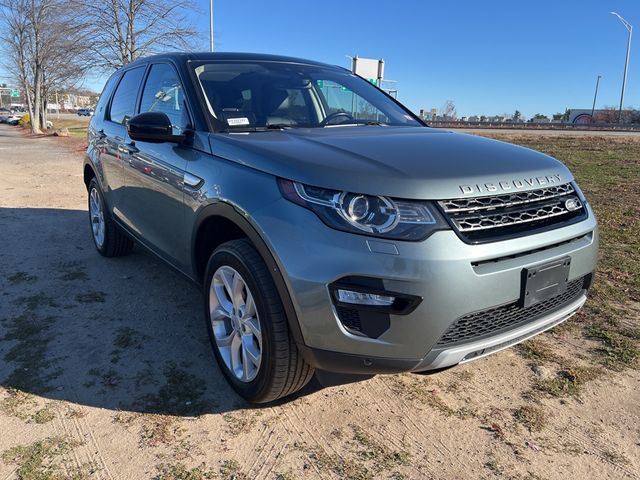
pixel 106 372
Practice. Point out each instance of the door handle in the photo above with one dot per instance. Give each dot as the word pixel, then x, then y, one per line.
pixel 192 181
pixel 130 148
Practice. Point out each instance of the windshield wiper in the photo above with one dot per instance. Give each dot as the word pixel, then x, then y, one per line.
pixel 358 124
pixel 374 122
pixel 267 128
pixel 278 126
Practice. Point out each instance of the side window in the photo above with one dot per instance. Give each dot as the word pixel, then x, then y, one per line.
pixel 123 105
pixel 104 96
pixel 163 92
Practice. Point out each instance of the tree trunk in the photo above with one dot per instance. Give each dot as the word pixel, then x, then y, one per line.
pixel 43 111
pixel 36 25
pixel 37 99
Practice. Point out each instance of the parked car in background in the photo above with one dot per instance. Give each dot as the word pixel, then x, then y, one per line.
pixel 4 115
pixel 85 112
pixel 329 228
pixel 14 118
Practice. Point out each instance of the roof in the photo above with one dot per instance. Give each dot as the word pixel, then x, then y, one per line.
pixel 222 56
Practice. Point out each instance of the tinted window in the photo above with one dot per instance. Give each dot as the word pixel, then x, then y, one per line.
pixel 106 92
pixel 339 99
pixel 163 92
pixel 123 105
pixel 262 94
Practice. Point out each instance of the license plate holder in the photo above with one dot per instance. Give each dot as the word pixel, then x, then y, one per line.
pixel 544 281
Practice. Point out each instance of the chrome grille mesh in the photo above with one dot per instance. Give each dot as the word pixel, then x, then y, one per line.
pixel 508 200
pixel 492 217
pixel 482 221
pixel 494 320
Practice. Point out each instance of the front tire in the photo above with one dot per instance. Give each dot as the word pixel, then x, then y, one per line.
pixel 109 239
pixel 248 327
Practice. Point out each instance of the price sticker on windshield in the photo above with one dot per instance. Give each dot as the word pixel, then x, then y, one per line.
pixel 238 122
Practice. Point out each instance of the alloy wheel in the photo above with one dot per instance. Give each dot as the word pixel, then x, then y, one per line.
pixel 235 323
pixel 96 214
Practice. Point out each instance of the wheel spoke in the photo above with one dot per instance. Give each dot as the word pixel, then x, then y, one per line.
pixel 237 286
pixel 254 327
pixel 219 312
pixel 226 341
pixel 236 353
pixel 252 353
pixel 221 297
pixel 249 307
pixel 227 280
pixel 245 363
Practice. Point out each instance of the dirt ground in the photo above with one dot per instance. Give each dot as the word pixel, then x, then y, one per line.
pixel 106 373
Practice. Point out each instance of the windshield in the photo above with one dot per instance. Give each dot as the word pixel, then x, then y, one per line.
pixel 247 95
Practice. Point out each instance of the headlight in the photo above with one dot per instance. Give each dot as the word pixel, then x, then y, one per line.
pixel 372 215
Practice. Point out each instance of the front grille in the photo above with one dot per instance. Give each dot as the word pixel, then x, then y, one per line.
pixel 506 317
pixel 499 217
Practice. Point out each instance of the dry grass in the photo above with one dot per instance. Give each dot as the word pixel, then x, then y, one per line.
pixel 569 382
pixel 77 126
pixel 608 171
pixel 533 418
pixel 44 460
pixel 179 471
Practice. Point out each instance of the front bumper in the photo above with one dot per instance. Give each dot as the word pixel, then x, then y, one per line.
pixel 452 278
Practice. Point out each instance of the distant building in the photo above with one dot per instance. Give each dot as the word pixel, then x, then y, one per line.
pixel 429 115
pixel 607 115
pixel 540 120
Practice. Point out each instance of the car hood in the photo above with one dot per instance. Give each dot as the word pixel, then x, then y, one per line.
pixel 401 162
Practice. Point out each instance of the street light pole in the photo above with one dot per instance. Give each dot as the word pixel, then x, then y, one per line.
pixel 629 28
pixel 211 25
pixel 595 95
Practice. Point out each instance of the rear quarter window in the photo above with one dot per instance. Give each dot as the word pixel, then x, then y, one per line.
pixel 106 93
pixel 123 104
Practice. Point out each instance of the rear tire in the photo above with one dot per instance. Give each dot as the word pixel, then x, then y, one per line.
pixel 252 313
pixel 109 239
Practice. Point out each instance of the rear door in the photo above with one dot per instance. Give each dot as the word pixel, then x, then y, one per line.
pixel 114 135
pixel 154 172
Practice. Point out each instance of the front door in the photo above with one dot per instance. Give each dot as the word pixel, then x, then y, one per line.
pixel 113 134
pixel 154 172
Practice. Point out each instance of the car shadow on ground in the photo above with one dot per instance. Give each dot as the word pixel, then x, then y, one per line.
pixel 122 334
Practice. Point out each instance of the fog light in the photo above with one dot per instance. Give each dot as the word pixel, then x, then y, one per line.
pixel 360 298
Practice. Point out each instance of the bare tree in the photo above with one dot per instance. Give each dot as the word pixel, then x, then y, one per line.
pixel 45 47
pixel 50 44
pixel 608 114
pixel 16 34
pixel 127 29
pixel 449 109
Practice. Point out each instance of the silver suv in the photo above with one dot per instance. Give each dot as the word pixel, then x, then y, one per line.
pixel 330 230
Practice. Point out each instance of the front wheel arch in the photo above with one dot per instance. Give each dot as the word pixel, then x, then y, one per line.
pixel 88 174
pixel 241 227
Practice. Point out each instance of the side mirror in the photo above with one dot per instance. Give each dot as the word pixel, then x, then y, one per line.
pixel 154 127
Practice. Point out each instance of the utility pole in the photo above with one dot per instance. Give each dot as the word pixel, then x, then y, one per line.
pixel 211 25
pixel 629 28
pixel 595 95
